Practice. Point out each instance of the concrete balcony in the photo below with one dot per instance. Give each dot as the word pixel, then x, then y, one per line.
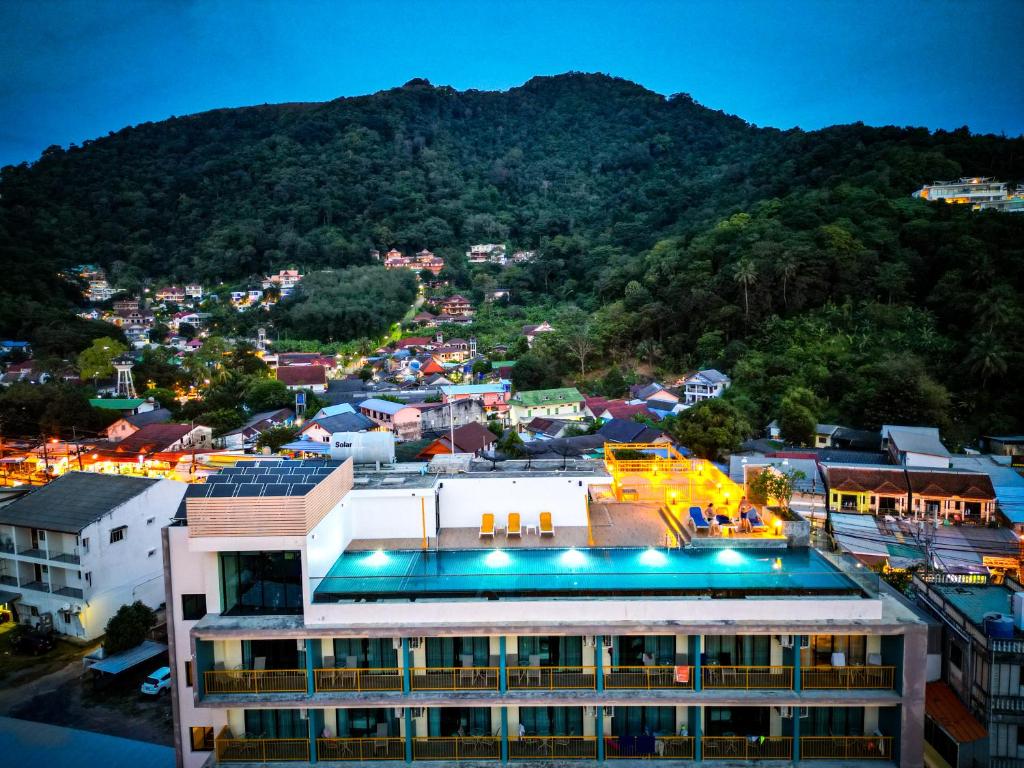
pixel 361 749
pixel 648 677
pixel 553 748
pixel 357 680
pixel 847 678
pixel 742 748
pixel 229 749
pixel 649 747
pixel 551 678
pixel 219 681
pixel 747 677
pixel 456 748
pixel 454 678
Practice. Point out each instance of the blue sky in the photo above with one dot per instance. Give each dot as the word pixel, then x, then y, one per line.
pixel 77 69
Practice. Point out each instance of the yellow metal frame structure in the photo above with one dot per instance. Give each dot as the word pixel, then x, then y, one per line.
pixel 846 747
pixel 665 748
pixel 552 747
pixel 255 681
pixel 641 678
pixel 744 748
pixel 352 679
pixel 551 678
pixel 847 678
pixel 454 678
pixel 665 476
pixel 232 750
pixel 456 748
pixel 361 748
pixel 747 677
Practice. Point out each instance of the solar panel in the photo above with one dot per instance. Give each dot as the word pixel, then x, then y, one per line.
pixel 260 478
pixel 224 490
pixel 250 489
pixel 276 489
pixel 303 478
pixel 217 479
pixel 301 489
pixel 231 471
pixel 197 491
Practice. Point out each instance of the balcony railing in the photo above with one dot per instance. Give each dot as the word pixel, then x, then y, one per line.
pixel 255 681
pixel 747 677
pixel 839 678
pixel 649 677
pixel 553 748
pixel 551 678
pixel 232 750
pixel 358 749
pixel 747 747
pixel 649 747
pixel 846 748
pixel 1006 703
pixel 456 748
pixel 454 678
pixel 347 679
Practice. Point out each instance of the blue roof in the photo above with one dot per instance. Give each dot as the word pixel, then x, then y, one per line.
pixel 119 662
pixel 1006 482
pixel 310 446
pixel 476 389
pixel 384 406
pixel 334 410
pixel 24 742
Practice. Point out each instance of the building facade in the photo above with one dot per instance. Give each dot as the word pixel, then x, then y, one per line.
pixel 77 549
pixel 363 619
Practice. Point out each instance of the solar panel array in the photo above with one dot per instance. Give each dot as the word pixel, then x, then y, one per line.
pixel 252 479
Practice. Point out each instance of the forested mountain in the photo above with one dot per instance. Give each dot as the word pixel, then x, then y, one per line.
pixel 793 259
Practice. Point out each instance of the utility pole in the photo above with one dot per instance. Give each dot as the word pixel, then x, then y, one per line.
pixel 78 448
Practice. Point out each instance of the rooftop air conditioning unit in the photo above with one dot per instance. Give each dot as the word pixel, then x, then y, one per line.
pixel 396 643
pixel 609 711
pixel 415 711
pixel 607 642
pixel 589 711
pixel 399 712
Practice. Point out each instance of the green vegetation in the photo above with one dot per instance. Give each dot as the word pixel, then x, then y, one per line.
pixel 678 236
pixel 128 627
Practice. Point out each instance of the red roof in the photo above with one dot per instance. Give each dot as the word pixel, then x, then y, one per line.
pixel 302 375
pixel 413 341
pixel 469 438
pixel 153 438
pixel 943 706
pixel 627 411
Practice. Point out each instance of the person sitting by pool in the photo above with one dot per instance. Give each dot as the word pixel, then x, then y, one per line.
pixel 709 514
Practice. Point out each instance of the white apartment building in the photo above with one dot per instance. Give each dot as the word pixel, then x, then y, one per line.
pixel 965 190
pixel 320 615
pixel 77 549
pixel 705 385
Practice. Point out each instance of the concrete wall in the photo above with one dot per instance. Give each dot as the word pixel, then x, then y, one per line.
pixel 464 499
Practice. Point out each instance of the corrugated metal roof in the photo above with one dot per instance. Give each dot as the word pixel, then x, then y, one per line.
pixel 119 662
pixel 943 706
pixel 71 502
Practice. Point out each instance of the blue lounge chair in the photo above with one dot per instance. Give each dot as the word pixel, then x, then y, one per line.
pixel 755 522
pixel 697 520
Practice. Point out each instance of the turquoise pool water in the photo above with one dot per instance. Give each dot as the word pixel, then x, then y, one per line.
pixel 497 573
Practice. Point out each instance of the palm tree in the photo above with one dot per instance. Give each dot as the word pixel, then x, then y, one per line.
pixel 987 358
pixel 787 268
pixel 746 275
pixel 648 348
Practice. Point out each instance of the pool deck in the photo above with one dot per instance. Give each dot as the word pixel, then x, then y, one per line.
pixel 612 524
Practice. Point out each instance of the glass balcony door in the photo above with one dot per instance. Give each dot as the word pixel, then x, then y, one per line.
pixel 643 650
pixel 737 650
pixel 737 721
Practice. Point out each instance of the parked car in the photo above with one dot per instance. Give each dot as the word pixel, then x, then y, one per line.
pixel 158 682
pixel 33 641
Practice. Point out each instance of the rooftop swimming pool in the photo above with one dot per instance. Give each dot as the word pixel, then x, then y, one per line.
pixel 619 572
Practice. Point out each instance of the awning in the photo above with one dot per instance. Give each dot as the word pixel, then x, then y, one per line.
pixel 119 662
pixel 950 714
pixel 8 597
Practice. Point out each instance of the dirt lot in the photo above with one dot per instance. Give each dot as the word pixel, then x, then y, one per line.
pixel 52 688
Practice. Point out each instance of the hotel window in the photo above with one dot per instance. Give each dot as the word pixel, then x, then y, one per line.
pixel 261 582
pixel 193 607
pixel 85 544
pixel 88 578
pixel 118 534
pixel 202 738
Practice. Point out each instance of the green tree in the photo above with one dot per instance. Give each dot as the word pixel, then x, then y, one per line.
pixel 798 416
pixel 772 484
pixel 267 394
pixel 709 429
pixel 96 361
pixel 745 273
pixel 128 627
pixel 276 437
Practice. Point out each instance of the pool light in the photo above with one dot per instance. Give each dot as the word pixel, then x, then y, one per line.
pixel 497 559
pixel 777 564
pixel 573 558
pixel 729 557
pixel 653 557
pixel 377 558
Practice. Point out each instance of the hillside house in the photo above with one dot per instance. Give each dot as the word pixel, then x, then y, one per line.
pixel 285 281
pixel 131 423
pixel 456 306
pixel 172 294
pixel 194 291
pixel 297 377
pixel 436 417
pixel 152 439
pixel 494 398
pixel 493 253
pixel 246 435
pixel 320 428
pixel 522 257
pixel 705 385
pixel 400 418
pixel 532 331
pixel 427 260
pixel 653 391
pixel 561 403
pixel 915 446
pixel 125 405
pixel 471 438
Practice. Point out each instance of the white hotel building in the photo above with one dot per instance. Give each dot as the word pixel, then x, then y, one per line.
pixel 324 618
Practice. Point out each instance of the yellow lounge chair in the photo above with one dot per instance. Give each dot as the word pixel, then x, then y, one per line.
pixel 515 525
pixel 487 525
pixel 546 528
